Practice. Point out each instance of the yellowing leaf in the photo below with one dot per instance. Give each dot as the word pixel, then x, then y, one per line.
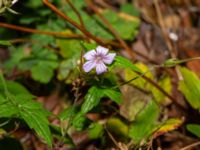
pixel 165 83
pixel 169 125
pixel 140 82
pixel 115 124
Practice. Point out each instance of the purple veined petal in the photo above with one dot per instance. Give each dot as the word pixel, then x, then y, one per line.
pixel 101 50
pixel 90 55
pixel 101 68
pixel 88 66
pixel 108 59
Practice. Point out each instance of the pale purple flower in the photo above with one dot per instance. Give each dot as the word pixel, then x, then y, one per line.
pixel 97 59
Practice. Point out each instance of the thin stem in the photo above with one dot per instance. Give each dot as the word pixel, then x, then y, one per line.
pixel 77 13
pixel 167 40
pixel 127 82
pixel 61 14
pixel 115 33
pixel 162 91
pixel 21 40
pixel 130 52
pixel 29 30
pixel 117 36
pixel 189 59
pixel 190 146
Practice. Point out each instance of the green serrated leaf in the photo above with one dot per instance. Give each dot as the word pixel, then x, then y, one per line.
pixel 144 123
pixel 92 99
pixel 190 87
pixel 5 112
pixel 79 121
pixel 67 113
pixel 21 106
pixel 37 120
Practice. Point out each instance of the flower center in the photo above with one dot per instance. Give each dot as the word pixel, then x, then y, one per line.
pixel 98 59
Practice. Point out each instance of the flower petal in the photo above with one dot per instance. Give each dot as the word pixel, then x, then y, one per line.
pixel 101 50
pixel 108 59
pixel 101 68
pixel 90 55
pixel 88 66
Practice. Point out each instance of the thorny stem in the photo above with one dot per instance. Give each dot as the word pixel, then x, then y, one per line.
pixel 29 30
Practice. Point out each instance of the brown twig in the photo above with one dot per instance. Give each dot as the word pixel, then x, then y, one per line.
pixel 163 91
pixel 115 33
pixel 83 30
pixel 21 40
pixel 171 49
pixel 190 146
pixel 130 52
pixel 77 13
pixel 29 30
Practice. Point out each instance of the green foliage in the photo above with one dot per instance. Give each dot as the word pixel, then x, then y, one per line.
pixel 70 50
pixel 98 28
pixel 22 106
pixel 5 43
pixel 41 64
pixel 94 96
pixel 190 87
pixel 194 128
pixel 129 9
pixel 92 99
pixel 57 62
pixel 125 63
pixel 115 124
pixel 167 126
pixel 164 82
pixel 144 124
pixel 114 95
pixel 95 131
